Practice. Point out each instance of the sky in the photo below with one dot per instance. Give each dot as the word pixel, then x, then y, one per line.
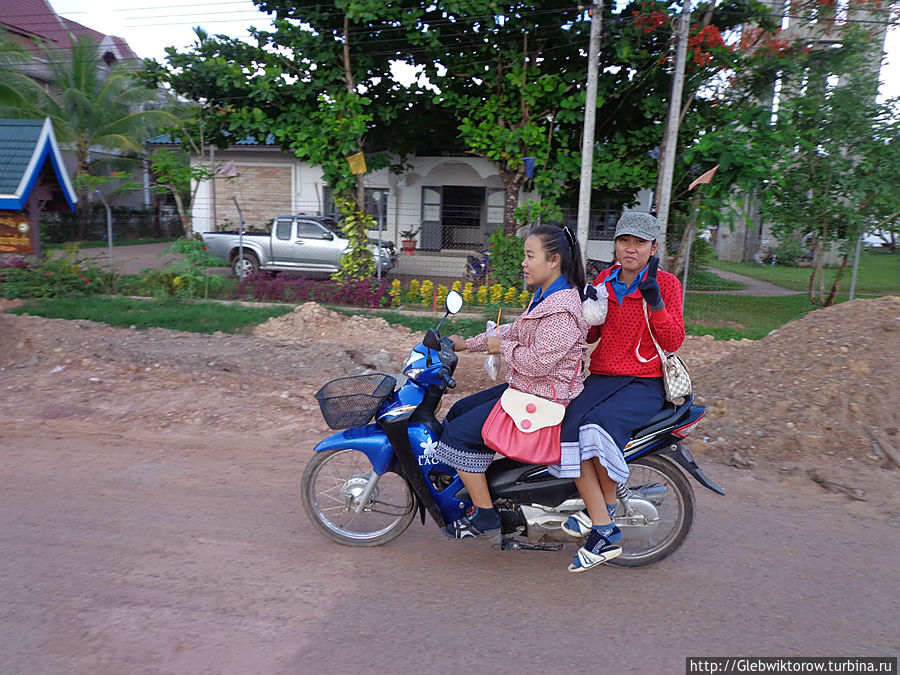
pixel 150 26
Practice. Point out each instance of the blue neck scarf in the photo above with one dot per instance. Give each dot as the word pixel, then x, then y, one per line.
pixel 619 287
pixel 560 284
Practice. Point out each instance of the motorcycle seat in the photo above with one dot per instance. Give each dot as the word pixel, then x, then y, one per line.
pixel 665 417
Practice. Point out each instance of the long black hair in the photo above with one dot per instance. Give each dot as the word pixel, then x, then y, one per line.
pixel 561 241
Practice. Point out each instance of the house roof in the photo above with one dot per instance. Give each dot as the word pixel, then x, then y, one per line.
pixel 30 19
pixel 26 147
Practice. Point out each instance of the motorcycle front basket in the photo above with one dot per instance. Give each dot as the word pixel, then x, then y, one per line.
pixel 349 402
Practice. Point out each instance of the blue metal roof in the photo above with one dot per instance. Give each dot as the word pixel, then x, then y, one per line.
pixel 25 148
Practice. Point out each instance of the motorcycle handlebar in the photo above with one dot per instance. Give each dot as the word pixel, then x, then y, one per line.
pixel 448 381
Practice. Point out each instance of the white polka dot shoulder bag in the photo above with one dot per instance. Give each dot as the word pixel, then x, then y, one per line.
pixel 675 374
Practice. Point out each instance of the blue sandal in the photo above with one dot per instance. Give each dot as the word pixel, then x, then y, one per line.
pixel 597 550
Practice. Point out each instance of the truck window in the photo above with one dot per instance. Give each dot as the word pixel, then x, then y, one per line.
pixel 283 228
pixel 309 229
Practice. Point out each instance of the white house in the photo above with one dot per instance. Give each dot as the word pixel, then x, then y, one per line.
pixel 454 201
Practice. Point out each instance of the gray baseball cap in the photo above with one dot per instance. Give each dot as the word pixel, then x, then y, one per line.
pixel 639 224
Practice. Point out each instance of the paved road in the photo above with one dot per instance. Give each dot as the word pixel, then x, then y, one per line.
pixel 752 286
pixel 170 554
pixel 128 259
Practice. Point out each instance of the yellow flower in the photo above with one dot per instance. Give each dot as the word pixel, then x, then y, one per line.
pixel 482 295
pixel 511 296
pixel 395 292
pixel 413 292
pixel 457 285
pixel 525 297
pixel 496 292
pixel 442 292
pixel 468 293
pixel 426 292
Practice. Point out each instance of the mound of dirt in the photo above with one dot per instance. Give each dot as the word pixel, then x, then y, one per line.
pixel 821 390
pixel 311 321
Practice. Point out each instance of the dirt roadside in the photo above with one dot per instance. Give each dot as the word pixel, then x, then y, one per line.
pixel 816 400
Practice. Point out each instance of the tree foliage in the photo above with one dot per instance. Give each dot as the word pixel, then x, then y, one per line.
pixel 825 166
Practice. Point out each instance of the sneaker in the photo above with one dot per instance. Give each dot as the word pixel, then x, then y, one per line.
pixel 476 524
pixel 597 550
pixel 578 525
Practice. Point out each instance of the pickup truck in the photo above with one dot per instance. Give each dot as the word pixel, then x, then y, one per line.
pixel 294 244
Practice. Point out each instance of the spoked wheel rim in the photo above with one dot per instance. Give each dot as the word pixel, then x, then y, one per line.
pixel 660 527
pixel 334 486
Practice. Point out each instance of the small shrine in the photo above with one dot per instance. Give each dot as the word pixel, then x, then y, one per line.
pixel 33 179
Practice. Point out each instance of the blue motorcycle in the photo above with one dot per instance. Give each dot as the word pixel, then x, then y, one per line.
pixel 365 485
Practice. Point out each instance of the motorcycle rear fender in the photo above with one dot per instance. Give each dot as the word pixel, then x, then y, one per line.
pixel 369 440
pixel 683 457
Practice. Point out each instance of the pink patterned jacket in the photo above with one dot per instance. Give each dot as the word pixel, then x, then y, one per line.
pixel 548 343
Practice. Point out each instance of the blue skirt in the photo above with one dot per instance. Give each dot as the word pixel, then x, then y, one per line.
pixel 600 421
pixel 461 445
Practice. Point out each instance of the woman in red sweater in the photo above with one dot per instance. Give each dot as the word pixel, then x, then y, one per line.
pixel 624 388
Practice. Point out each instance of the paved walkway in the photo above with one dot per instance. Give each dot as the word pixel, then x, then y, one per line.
pixel 754 287
pixel 127 259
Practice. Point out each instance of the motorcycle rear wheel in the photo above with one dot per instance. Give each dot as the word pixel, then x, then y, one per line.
pixel 332 484
pixel 673 519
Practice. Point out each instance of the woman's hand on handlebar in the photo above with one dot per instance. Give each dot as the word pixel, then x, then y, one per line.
pixel 459 344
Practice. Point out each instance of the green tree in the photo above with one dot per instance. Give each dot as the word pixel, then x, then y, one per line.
pixel 172 172
pixel 503 81
pixel 90 104
pixel 826 166
pixel 306 83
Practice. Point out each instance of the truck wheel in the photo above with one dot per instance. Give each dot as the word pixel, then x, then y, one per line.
pixel 250 267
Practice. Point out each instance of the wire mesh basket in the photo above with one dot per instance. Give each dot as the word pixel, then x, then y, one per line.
pixel 352 401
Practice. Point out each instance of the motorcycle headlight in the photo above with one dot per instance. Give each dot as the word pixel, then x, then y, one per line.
pixel 408 362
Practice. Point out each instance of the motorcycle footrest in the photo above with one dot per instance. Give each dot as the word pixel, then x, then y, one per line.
pixel 513 544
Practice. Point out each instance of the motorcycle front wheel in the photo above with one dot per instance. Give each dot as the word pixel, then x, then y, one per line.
pixel 662 506
pixel 332 486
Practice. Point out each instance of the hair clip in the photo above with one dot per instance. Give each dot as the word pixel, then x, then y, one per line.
pixel 570 237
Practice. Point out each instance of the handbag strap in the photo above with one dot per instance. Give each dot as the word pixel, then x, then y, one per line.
pixel 548 380
pixel 663 355
pixel 553 386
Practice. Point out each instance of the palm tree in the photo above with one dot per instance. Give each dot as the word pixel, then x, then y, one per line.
pixel 92 106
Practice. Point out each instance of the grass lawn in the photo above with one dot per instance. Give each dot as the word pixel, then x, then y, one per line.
pixel 186 315
pixel 454 325
pixel 728 317
pixel 703 280
pixel 879 274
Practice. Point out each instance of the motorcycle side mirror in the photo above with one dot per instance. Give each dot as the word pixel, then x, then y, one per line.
pixel 431 340
pixel 454 302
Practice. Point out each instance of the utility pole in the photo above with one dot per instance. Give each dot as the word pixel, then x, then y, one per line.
pixel 212 184
pixel 590 116
pixel 670 143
